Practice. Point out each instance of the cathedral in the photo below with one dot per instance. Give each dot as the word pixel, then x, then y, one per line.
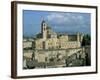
pixel 51 49
pixel 48 39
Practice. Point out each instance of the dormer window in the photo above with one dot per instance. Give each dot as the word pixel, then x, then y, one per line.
pixel 44 28
pixel 43 24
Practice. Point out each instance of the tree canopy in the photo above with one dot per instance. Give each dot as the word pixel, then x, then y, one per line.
pixel 86 40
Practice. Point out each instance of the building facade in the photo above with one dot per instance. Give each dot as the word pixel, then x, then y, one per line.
pixel 50 49
pixel 49 39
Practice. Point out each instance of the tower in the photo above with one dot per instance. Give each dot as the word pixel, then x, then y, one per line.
pixel 44 29
pixel 78 37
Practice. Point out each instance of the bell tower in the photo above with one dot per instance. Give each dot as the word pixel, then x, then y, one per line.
pixel 44 29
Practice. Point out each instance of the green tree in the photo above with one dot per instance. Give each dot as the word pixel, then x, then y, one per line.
pixel 86 40
pixel 39 35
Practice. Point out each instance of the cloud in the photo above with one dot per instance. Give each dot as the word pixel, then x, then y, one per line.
pixel 69 19
pixel 56 17
pixel 69 22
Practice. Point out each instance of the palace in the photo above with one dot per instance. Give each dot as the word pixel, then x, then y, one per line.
pixel 48 39
pixel 51 49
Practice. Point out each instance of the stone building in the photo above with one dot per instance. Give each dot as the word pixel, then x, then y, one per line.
pixel 50 49
pixel 48 39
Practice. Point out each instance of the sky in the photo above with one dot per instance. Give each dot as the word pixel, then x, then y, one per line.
pixel 60 22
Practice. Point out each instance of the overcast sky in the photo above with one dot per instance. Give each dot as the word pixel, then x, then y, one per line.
pixel 63 22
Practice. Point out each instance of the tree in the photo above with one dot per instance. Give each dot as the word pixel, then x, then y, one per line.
pixel 86 40
pixel 39 35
